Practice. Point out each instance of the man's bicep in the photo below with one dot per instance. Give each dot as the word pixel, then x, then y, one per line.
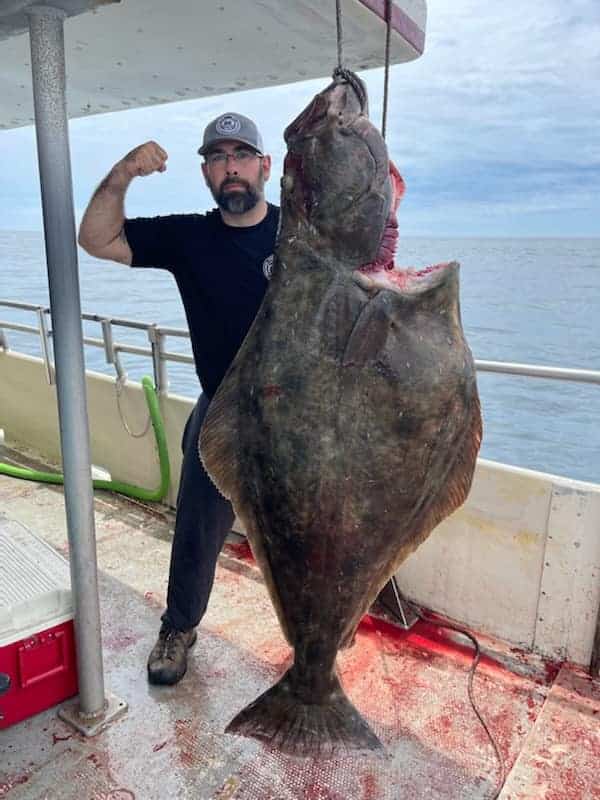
pixel 117 250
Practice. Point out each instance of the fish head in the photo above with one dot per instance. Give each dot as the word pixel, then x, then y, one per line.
pixel 336 187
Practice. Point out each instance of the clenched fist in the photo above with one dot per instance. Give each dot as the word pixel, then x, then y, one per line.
pixel 144 160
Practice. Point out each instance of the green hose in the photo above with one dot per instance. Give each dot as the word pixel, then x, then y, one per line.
pixel 116 486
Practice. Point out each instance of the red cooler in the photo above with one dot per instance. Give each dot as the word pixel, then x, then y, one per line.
pixel 37 646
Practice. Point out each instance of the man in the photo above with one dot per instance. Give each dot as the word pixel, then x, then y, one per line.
pixel 221 263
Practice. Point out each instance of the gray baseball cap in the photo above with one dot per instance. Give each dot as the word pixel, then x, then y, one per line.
pixel 233 127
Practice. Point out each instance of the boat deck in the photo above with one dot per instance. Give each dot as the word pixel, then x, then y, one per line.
pixel 411 686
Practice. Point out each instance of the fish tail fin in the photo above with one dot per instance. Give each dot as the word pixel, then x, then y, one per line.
pixel 287 722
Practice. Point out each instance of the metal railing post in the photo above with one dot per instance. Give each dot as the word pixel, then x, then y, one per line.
pixel 45 344
pixel 48 72
pixel 161 375
pixel 109 347
pixel 111 353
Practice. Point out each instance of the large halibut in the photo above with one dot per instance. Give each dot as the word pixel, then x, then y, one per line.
pixel 348 425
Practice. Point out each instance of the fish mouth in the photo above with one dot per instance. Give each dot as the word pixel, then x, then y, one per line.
pixel 382 272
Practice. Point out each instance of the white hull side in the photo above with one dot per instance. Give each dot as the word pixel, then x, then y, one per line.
pixel 520 560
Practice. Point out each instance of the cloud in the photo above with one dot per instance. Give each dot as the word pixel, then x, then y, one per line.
pixel 497 121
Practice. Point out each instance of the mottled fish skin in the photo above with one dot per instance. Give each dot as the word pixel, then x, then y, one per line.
pixel 348 425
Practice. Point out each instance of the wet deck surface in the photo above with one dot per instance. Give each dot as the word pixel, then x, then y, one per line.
pixel 411 687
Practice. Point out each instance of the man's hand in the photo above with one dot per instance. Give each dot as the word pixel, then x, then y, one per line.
pixel 101 232
pixel 144 160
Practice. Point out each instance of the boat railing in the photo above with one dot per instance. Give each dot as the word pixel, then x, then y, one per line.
pixel 156 334
pixel 157 338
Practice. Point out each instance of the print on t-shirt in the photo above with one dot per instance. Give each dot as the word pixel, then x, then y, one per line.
pixel 268 266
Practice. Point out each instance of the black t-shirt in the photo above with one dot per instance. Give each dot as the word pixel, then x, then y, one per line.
pixel 222 275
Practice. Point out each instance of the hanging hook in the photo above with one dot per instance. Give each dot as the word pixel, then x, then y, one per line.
pixel 341 75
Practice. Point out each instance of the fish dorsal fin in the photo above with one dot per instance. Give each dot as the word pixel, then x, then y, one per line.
pixel 459 476
pixel 219 438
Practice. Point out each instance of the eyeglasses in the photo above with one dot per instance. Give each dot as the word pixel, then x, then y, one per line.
pixel 241 156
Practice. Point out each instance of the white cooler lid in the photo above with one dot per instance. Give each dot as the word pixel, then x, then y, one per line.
pixel 35 583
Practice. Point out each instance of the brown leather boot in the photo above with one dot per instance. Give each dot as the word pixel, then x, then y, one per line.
pixel 167 661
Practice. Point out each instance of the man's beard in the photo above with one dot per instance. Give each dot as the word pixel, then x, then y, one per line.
pixel 238 201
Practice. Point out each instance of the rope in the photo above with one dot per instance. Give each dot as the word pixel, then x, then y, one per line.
pixel 340 73
pixel 386 80
pixel 119 386
pixel 340 35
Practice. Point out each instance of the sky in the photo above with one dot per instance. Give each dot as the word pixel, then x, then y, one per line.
pixel 495 129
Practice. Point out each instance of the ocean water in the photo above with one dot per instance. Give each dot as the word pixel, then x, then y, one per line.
pixel 533 301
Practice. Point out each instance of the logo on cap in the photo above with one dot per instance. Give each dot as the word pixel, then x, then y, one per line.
pixel 228 125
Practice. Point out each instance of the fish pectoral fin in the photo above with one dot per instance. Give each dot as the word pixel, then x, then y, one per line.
pixel 369 333
pixel 219 438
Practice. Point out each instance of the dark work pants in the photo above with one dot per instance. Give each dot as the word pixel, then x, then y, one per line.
pixel 204 518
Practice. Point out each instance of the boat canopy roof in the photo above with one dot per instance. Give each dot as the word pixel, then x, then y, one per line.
pixel 144 52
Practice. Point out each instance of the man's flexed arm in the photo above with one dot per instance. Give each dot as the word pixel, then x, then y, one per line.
pixel 101 231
